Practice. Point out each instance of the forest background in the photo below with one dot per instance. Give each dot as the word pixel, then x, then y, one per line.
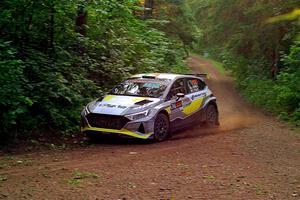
pixel 56 56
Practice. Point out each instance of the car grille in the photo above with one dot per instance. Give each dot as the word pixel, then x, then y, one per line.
pixel 107 121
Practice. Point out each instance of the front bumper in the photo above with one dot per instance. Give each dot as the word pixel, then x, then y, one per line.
pixel 121 132
pixel 131 129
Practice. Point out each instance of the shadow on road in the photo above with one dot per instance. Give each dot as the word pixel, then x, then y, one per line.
pixel 192 132
pixel 116 140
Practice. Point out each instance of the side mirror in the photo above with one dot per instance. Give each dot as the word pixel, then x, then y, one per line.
pixel 180 95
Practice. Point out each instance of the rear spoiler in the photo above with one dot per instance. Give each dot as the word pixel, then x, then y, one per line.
pixel 201 75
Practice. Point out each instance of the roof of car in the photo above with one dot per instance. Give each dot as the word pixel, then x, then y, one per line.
pixel 161 76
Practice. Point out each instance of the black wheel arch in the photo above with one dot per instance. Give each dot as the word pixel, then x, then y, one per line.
pixel 163 112
pixel 214 103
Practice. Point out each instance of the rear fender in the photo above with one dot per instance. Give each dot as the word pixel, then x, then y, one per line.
pixel 210 100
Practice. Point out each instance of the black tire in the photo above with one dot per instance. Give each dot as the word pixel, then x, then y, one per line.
pixel 211 116
pixel 161 128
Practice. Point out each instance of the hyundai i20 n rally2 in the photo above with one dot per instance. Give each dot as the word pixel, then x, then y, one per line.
pixel 151 106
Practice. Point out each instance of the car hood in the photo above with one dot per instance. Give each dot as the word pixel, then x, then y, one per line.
pixel 121 105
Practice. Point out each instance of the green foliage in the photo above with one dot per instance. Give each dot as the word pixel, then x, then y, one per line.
pixel 13 100
pixel 281 96
pixel 290 78
pixel 79 176
pixel 175 18
pixel 259 52
pixel 49 70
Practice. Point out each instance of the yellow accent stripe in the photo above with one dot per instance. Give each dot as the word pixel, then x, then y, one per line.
pixel 168 109
pixel 193 107
pixel 108 97
pixel 123 132
pixel 138 99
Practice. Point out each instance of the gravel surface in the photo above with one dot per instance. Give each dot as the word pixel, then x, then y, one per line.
pixel 251 156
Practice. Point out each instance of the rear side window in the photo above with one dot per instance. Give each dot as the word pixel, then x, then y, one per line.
pixel 195 85
pixel 202 85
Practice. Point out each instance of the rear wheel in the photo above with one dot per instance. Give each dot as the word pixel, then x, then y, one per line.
pixel 211 116
pixel 161 127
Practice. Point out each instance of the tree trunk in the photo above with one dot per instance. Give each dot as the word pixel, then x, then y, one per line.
pixel 274 67
pixel 81 20
pixel 51 31
pixel 148 9
pixel 187 53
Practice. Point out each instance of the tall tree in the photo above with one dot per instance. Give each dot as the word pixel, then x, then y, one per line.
pixel 148 6
pixel 81 20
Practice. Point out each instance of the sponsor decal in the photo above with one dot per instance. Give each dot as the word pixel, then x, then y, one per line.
pixel 107 105
pixel 137 81
pixel 194 96
pixel 122 107
pixel 176 105
pixel 112 106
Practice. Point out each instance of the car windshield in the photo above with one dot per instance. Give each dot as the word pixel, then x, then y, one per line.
pixel 141 88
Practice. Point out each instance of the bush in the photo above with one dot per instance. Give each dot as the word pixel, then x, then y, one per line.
pixel 281 96
pixel 14 102
pixel 49 71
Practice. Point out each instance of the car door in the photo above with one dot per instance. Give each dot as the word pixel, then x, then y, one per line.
pixel 177 116
pixel 196 93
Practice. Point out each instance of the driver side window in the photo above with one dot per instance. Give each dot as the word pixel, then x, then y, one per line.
pixel 177 87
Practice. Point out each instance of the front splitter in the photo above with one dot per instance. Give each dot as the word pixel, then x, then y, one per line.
pixel 122 131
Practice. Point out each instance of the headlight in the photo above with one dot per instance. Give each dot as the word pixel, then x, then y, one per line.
pixel 91 106
pixel 137 116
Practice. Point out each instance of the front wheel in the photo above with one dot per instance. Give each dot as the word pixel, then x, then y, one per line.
pixel 161 127
pixel 90 137
pixel 212 116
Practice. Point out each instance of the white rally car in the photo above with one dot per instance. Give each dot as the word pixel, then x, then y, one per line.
pixel 151 106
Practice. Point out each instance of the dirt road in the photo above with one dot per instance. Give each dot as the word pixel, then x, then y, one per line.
pixel 251 156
